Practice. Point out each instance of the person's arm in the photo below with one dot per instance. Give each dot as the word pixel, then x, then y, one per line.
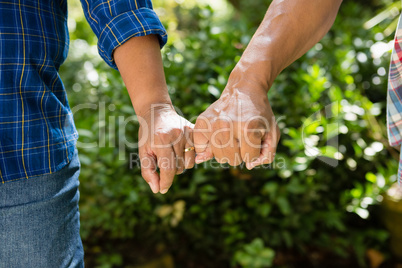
pixel 115 22
pixel 163 134
pixel 140 64
pixel 289 29
pixel 130 36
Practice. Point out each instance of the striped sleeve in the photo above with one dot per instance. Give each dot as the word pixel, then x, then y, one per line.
pixel 116 21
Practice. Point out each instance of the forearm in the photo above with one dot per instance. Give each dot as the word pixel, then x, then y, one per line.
pixel 140 64
pixel 290 28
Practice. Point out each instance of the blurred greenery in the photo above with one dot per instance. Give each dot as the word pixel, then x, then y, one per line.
pixel 302 211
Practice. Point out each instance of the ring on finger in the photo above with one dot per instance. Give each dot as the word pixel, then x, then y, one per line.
pixel 189 149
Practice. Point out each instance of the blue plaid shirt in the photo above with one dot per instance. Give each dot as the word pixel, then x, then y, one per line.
pixel 37 132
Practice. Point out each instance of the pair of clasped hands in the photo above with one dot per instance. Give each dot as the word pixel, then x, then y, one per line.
pixel 238 128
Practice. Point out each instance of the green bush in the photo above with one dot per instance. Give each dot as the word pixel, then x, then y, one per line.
pixel 220 217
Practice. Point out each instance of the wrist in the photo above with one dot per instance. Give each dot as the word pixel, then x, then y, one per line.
pixel 257 71
pixel 144 107
pixel 249 83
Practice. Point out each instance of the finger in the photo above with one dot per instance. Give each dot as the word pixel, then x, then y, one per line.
pixel 217 151
pixel 236 153
pixel 224 146
pixel 201 134
pixel 228 152
pixel 189 156
pixel 216 143
pixel 179 154
pixel 204 156
pixel 148 170
pixel 167 167
pixel 268 150
pixel 251 145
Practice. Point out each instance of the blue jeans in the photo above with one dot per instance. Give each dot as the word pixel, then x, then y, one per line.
pixel 39 221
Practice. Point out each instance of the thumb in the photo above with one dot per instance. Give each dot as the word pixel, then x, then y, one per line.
pixel 267 154
pixel 204 155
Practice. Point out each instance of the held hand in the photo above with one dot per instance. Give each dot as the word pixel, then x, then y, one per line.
pixel 163 134
pixel 163 137
pixel 239 127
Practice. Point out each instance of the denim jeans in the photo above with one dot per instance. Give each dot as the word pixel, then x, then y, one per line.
pixel 39 221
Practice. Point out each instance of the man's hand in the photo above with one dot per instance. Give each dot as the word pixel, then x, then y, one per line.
pixel 239 127
pixel 163 137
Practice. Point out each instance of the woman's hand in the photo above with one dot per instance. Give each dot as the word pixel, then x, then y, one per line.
pixel 163 137
pixel 163 134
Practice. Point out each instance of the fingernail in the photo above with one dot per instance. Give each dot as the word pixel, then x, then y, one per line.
pixel 252 165
pixel 164 191
pixel 249 166
pixel 152 187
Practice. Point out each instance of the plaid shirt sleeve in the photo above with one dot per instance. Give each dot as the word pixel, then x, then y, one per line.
pixel 114 22
pixel 394 96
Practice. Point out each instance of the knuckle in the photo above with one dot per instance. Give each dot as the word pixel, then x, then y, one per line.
pixel 257 133
pixel 254 131
pixel 187 130
pixel 175 132
pixel 256 123
pixel 201 121
pixel 162 137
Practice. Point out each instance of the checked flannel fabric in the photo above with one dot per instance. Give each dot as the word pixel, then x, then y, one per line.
pixel 37 132
pixel 394 98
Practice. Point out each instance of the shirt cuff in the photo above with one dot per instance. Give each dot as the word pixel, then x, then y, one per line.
pixel 139 22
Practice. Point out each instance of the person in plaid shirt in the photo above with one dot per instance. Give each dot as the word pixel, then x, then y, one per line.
pixel 39 167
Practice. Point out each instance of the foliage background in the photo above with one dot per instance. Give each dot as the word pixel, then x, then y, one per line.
pixel 300 212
